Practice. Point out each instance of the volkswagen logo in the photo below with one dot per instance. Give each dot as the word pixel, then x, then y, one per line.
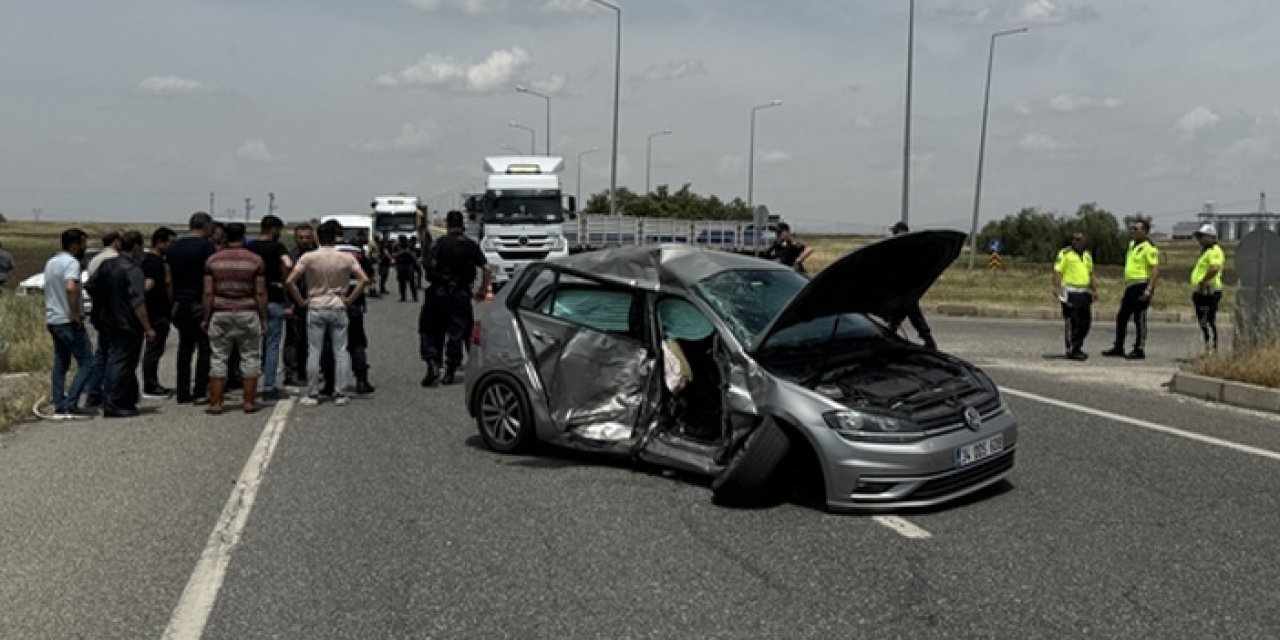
pixel 972 418
pixel 524 240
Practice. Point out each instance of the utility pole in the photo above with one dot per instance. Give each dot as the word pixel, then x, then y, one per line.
pixel 271 204
pixel 248 207
pixel 211 209
pixel 906 135
pixel 35 213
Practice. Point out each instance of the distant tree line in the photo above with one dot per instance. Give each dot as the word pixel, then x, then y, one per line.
pixel 1038 235
pixel 682 204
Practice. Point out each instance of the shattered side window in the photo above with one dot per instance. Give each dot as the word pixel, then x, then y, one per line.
pixel 748 300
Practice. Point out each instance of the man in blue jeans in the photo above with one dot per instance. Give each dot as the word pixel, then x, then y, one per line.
pixel 64 315
pixel 276 262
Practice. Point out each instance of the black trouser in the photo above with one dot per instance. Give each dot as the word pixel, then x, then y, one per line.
pixel 1207 315
pixel 445 321
pixel 1077 311
pixel 384 275
pixel 125 351
pixel 155 351
pixel 187 317
pixel 404 275
pixel 1133 306
pixel 294 353
pixel 916 316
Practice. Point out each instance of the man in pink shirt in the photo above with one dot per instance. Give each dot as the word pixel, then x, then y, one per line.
pixel 329 273
pixel 235 311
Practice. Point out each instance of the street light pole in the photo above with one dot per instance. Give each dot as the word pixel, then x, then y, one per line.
pixel 906 135
pixel 533 136
pixel 578 193
pixel 523 89
pixel 982 143
pixel 648 157
pixel 751 156
pixel 617 91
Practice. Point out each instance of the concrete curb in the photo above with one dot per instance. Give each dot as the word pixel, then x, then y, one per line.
pixel 975 311
pixel 1236 394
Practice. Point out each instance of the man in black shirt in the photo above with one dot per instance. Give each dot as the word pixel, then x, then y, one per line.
pixel 787 251
pixel 914 314
pixel 446 312
pixel 406 264
pixel 295 334
pixel 158 283
pixel 276 261
pixel 186 259
pixel 124 317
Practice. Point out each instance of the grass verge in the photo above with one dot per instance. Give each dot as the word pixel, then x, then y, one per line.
pixel 25 347
pixel 18 394
pixel 1254 366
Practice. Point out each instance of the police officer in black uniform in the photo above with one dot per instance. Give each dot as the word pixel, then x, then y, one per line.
pixel 914 314
pixel 446 316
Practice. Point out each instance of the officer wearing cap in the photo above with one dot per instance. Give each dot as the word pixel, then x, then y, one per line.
pixel 1206 277
pixel 446 316
pixel 1141 270
pixel 914 314
pixel 1074 288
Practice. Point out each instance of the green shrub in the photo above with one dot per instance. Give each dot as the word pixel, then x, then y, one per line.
pixel 1038 235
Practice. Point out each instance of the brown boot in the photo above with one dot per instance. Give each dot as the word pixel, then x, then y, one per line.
pixel 217 387
pixel 250 395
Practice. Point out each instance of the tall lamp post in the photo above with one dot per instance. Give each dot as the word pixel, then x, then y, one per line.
pixel 533 135
pixel 751 156
pixel 906 127
pixel 982 143
pixel 578 193
pixel 617 90
pixel 523 89
pixel 648 156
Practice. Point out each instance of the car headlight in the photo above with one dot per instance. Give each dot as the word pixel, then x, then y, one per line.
pixel 862 426
pixel 558 244
pixel 489 243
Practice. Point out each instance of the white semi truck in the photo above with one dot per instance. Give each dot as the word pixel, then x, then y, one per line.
pixel 400 215
pixel 520 216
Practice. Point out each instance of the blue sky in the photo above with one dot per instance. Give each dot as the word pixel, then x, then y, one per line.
pixel 137 109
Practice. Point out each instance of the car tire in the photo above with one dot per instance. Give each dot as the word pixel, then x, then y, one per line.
pixel 503 416
pixel 744 481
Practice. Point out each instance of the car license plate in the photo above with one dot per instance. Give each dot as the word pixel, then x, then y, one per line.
pixel 980 450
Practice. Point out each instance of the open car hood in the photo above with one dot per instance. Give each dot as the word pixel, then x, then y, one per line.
pixel 883 279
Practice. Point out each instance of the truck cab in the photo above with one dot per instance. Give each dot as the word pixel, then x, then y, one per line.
pixel 520 217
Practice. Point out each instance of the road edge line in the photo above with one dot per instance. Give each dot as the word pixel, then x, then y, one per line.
pixel 903 527
pixel 201 593
pixel 1145 424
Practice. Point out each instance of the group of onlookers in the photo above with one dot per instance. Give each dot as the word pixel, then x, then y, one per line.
pixel 241 308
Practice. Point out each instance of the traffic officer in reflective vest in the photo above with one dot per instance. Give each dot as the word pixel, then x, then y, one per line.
pixel 446 317
pixel 1073 287
pixel 1141 270
pixel 1206 277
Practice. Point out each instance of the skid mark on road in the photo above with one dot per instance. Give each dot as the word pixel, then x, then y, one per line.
pixel 1145 424
pixel 903 527
pixel 198 598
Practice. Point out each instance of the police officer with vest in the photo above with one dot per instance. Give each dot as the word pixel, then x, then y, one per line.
pixel 1141 271
pixel 1073 287
pixel 446 316
pixel 1206 277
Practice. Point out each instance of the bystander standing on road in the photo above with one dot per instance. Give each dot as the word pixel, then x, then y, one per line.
pixel 235 312
pixel 385 249
pixel 787 251
pixel 1141 271
pixel 406 266
pixel 357 341
pixel 447 315
pixel 159 291
pixel 1206 277
pixel 328 272
pixel 122 298
pixel 187 257
pixel 276 263
pixel 1074 288
pixel 914 314
pixel 295 334
pixel 6 266
pixel 64 316
pixel 96 393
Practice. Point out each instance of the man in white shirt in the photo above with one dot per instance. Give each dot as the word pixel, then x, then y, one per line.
pixel 64 316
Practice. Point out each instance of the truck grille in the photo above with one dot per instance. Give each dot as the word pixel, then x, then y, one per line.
pixel 525 243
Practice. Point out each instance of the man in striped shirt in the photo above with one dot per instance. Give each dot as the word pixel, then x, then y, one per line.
pixel 235 312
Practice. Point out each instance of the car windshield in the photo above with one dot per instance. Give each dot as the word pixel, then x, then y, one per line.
pixel 397 222
pixel 749 299
pixel 355 236
pixel 524 209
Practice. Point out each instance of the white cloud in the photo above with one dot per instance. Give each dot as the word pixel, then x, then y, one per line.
pixel 1023 107
pixel 1196 120
pixel 1040 142
pixel 773 156
pixel 496 72
pixel 505 7
pixel 1072 102
pixel 413 137
pixel 253 150
pixel 550 86
pixel 1011 12
pixel 673 70
pixel 731 166
pixel 169 86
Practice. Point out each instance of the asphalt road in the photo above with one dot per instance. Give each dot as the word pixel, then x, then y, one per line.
pixel 388 519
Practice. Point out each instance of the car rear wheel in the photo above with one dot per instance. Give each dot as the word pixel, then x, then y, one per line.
pixel 503 416
pixel 744 481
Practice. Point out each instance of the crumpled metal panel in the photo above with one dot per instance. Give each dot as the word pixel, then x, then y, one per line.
pixel 654 267
pixel 603 396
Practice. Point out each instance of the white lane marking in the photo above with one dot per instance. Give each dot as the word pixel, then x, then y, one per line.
pixel 903 527
pixel 192 612
pixel 1190 435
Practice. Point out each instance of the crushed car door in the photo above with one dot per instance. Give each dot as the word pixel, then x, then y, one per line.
pixel 587 340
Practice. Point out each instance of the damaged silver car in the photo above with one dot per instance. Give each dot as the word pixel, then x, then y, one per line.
pixel 722 365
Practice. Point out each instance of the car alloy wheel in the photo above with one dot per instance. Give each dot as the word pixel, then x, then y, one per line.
pixel 503 417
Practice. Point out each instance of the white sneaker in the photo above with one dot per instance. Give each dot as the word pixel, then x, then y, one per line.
pixel 71 415
pixel 309 401
pixel 341 400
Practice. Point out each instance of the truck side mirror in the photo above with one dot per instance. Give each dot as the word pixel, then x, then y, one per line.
pixel 573 204
pixel 472 205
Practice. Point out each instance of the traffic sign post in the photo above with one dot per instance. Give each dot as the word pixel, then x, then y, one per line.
pixel 995 264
